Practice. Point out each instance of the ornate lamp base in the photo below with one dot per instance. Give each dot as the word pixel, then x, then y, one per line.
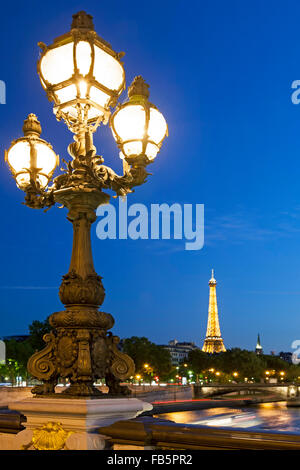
pixel 79 348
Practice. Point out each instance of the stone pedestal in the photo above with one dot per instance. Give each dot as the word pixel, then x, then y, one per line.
pixel 60 423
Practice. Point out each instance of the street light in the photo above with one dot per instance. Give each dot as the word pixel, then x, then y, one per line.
pixel 84 77
pixel 282 374
pixel 30 158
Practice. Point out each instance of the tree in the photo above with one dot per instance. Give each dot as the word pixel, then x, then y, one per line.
pixel 19 352
pixel 275 363
pixel 293 373
pixel 244 363
pixel 37 330
pixel 11 370
pixel 161 360
pixel 199 361
pixel 143 351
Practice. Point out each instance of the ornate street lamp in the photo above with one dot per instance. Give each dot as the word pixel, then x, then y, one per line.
pixel 84 78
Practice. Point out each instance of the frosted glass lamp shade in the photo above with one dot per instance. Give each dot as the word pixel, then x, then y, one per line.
pixel 82 75
pixel 30 157
pixel 137 126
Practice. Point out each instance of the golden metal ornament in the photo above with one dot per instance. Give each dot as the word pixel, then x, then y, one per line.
pixel 50 436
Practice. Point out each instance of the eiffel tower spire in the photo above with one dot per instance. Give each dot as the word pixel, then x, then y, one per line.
pixel 213 342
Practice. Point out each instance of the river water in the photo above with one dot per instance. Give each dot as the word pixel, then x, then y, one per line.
pixel 272 417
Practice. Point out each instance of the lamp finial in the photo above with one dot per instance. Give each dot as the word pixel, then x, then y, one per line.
pixel 138 87
pixel 32 125
pixel 82 20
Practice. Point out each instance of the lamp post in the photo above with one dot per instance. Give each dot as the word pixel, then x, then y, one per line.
pixel 84 77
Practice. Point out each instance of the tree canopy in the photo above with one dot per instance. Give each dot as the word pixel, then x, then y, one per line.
pixel 18 352
pixel 143 351
pixel 242 363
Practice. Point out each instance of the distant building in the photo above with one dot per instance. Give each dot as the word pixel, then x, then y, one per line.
pixel 258 349
pixel 286 356
pixel 2 352
pixel 179 351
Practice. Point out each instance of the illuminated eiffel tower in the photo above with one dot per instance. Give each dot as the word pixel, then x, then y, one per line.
pixel 213 342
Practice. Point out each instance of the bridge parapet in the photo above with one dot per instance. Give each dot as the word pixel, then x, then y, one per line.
pixel 283 390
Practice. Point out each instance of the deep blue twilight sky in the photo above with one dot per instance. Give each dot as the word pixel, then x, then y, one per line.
pixel 221 73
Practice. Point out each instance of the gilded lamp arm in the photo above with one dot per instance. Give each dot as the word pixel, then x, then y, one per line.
pixel 91 172
pixel 37 198
pixel 135 174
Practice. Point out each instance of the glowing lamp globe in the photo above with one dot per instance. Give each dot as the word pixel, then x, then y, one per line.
pixel 81 73
pixel 138 127
pixel 30 158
